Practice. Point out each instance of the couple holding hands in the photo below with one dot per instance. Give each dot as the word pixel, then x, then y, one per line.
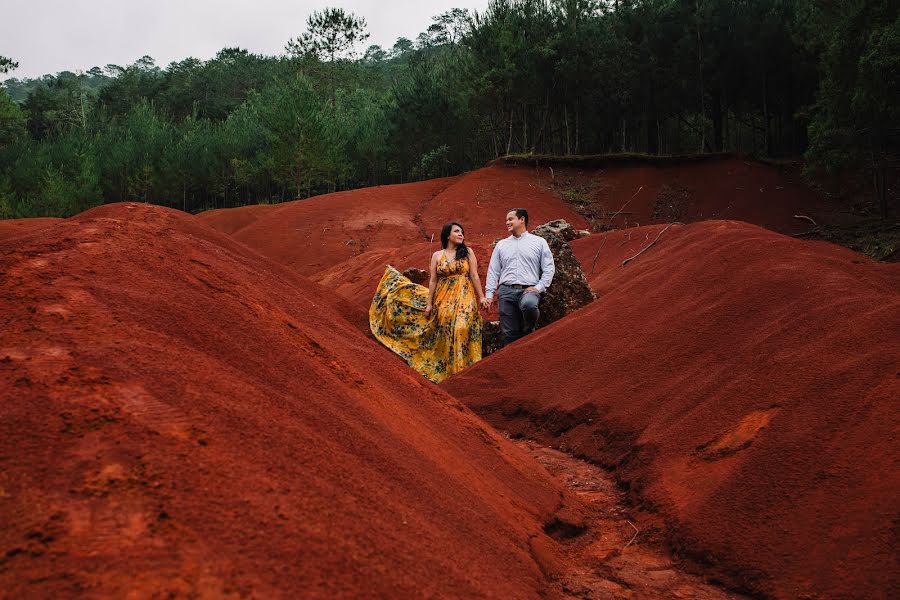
pixel 438 330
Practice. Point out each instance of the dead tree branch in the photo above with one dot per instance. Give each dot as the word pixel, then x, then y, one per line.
pixel 650 245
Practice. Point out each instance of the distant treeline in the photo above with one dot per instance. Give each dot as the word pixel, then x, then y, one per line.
pixel 819 78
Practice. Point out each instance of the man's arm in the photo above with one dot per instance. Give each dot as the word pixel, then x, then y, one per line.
pixel 548 268
pixel 493 274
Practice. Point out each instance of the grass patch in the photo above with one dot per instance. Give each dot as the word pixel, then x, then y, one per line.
pixel 875 238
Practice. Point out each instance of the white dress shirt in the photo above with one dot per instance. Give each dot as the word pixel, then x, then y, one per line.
pixel 523 260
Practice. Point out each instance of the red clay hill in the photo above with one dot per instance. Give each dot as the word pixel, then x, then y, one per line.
pixel 186 412
pixel 18 227
pixel 313 235
pixel 182 417
pixel 629 191
pixel 343 240
pixel 743 384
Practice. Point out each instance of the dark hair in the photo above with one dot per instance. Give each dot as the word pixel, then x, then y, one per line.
pixel 461 250
pixel 521 213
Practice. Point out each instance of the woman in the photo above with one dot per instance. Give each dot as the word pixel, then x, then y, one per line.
pixel 436 330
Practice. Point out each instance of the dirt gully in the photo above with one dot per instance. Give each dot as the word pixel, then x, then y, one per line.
pixel 619 556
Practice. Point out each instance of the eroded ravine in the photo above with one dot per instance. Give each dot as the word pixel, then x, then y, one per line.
pixel 620 554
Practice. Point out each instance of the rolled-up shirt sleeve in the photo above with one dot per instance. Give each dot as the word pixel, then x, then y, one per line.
pixel 493 274
pixel 548 268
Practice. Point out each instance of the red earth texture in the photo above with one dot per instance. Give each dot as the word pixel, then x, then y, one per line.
pixel 193 407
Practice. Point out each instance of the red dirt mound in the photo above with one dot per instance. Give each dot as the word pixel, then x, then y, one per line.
pixel 356 279
pixel 232 220
pixel 480 200
pixel 16 227
pixel 726 188
pixel 744 384
pixel 314 235
pixel 182 417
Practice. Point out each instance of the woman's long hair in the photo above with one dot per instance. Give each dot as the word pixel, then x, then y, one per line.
pixel 462 251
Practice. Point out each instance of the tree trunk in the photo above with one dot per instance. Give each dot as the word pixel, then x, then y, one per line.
pixel 577 130
pixel 494 136
pixel 509 141
pixel 652 123
pixel 717 119
pixel 700 72
pixel 525 129
pixel 879 170
pixel 766 117
pixel 540 141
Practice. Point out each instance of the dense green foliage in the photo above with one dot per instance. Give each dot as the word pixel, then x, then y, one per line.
pixel 769 77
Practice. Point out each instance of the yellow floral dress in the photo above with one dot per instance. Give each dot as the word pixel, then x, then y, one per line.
pixel 442 345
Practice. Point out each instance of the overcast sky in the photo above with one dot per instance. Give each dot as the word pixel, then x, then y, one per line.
pixel 48 36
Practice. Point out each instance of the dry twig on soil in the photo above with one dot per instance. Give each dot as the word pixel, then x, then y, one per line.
pixel 618 212
pixel 812 231
pixel 636 532
pixel 594 262
pixel 650 245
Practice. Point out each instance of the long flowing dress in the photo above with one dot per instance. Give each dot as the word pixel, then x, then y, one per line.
pixel 448 341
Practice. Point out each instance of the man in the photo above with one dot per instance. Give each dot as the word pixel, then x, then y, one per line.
pixel 523 267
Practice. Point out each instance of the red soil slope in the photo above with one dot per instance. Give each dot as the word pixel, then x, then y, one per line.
pixel 232 220
pixel 356 279
pixel 182 417
pixel 745 384
pixel 727 188
pixel 731 187
pixel 17 227
pixel 480 200
pixel 315 234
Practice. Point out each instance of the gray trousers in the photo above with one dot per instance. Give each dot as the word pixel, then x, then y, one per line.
pixel 518 312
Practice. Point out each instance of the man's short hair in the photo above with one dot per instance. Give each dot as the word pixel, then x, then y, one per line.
pixel 521 213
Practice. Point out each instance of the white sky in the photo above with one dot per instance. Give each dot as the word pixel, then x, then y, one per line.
pixel 48 36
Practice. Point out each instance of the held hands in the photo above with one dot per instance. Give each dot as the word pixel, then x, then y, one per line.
pixel 486 303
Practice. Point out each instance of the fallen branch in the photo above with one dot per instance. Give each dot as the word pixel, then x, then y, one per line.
pixel 636 532
pixel 594 263
pixel 815 230
pixel 650 245
pixel 807 218
pixel 618 212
